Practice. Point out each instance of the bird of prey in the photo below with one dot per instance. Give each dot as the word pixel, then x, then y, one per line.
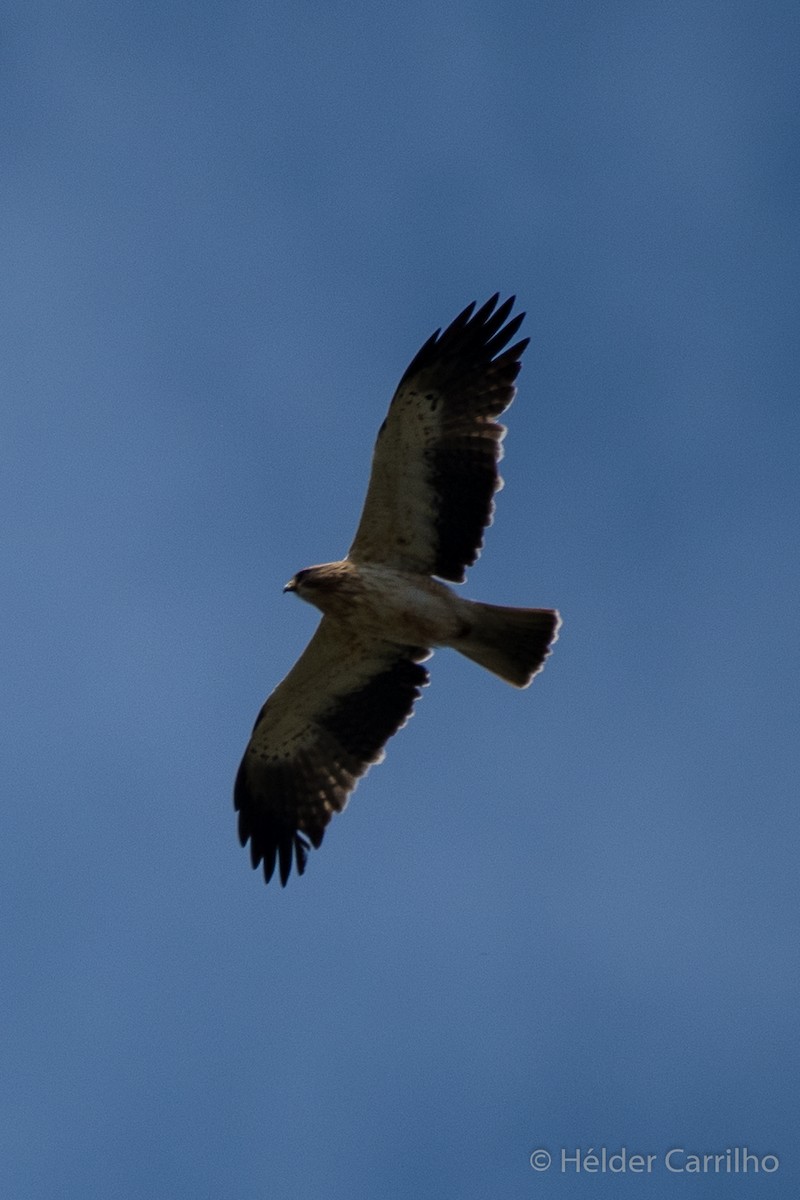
pixel 384 606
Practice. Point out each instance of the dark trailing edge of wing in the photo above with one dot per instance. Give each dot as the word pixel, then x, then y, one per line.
pixel 284 806
pixel 473 368
pixel 363 721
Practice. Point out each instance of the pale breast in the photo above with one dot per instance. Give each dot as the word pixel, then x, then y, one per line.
pixel 395 606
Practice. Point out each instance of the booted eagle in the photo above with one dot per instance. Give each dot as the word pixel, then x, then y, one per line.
pixel 430 496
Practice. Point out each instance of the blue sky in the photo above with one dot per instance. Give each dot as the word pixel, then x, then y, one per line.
pixel 563 918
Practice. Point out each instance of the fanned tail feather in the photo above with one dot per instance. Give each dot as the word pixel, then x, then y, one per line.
pixel 510 642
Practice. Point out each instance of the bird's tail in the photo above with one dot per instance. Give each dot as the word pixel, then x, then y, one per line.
pixel 510 642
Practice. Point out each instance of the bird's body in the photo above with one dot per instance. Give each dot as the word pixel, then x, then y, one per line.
pixel 371 599
pixel 384 606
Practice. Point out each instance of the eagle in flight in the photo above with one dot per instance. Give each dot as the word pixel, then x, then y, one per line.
pixel 430 496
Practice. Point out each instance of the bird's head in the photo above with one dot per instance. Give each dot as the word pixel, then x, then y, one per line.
pixel 314 583
pixel 305 581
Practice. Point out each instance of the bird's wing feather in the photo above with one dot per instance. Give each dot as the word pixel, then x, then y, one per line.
pixel 318 733
pixel 434 468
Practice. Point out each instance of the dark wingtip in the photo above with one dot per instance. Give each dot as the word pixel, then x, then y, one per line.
pixel 482 332
pixel 271 844
pixel 300 854
pixel 281 852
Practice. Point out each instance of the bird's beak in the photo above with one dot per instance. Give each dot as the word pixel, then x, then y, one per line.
pixel 290 587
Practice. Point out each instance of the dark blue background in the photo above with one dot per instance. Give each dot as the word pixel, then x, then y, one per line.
pixel 561 918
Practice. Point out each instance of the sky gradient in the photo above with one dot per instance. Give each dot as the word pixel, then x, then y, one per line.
pixel 561 918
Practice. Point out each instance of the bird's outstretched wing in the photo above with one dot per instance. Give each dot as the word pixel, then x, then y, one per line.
pixel 317 734
pixel 434 468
